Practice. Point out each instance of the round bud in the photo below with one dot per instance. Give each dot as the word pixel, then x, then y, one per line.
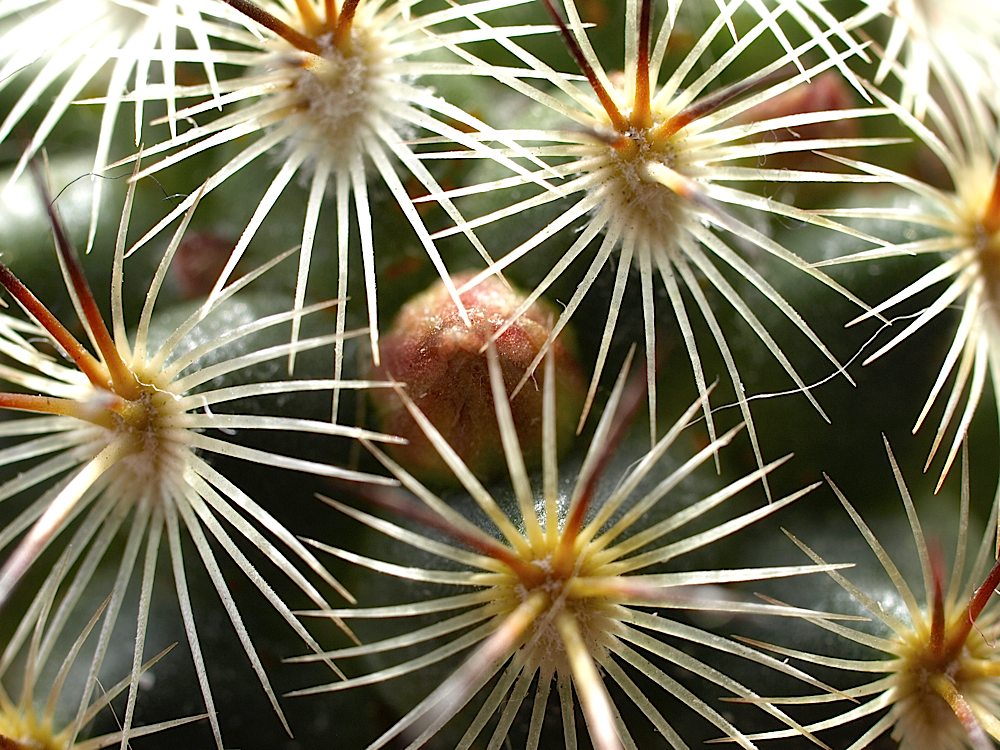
pixel 442 362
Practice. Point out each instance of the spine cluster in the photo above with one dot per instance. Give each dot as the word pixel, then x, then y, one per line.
pixel 310 433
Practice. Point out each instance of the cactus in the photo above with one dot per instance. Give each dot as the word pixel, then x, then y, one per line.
pixel 787 210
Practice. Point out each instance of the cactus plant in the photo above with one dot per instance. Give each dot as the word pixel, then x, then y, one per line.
pixel 789 197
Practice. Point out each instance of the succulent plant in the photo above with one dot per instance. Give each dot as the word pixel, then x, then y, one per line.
pixel 795 198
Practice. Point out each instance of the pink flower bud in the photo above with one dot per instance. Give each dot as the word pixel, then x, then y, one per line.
pixel 442 361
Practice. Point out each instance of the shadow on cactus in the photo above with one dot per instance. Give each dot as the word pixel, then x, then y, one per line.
pixel 120 445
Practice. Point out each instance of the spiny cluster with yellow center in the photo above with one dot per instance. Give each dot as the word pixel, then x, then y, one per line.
pixel 339 94
pixel 934 680
pixel 666 180
pixel 641 179
pixel 337 69
pixel 124 428
pixel 31 721
pixel 641 159
pixel 132 408
pixel 20 731
pixel 948 676
pixel 555 594
pixel 141 425
pixel 570 592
